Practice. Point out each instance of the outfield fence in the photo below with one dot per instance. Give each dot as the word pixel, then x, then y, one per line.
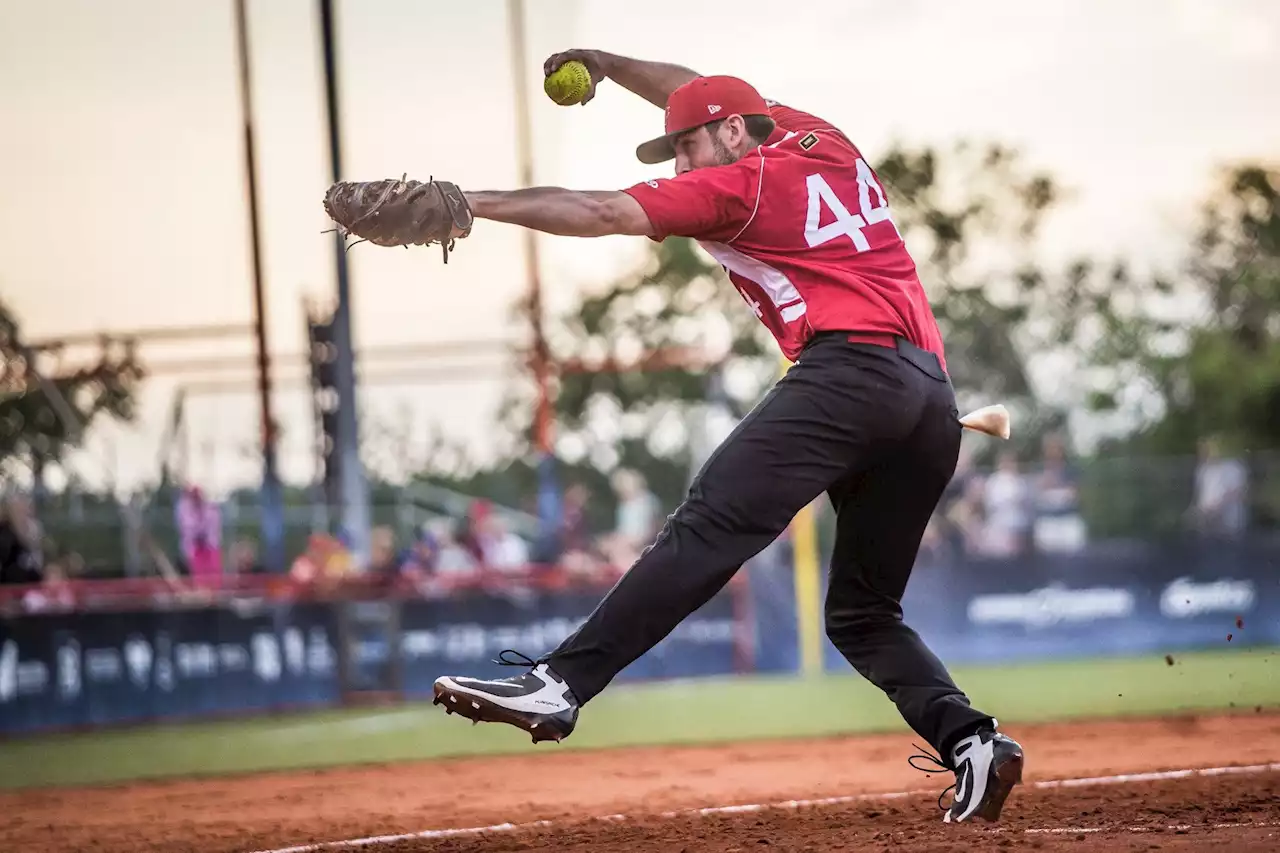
pixel 115 652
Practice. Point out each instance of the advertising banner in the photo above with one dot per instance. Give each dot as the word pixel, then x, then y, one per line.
pixel 1120 599
pixel 462 636
pixel 68 670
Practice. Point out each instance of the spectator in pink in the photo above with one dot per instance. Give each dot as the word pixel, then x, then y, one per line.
pixel 200 537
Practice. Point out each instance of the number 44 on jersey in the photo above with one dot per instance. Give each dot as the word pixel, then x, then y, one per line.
pixel 848 224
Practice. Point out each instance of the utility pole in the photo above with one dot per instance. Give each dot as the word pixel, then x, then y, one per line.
pixel 548 494
pixel 272 509
pixel 354 515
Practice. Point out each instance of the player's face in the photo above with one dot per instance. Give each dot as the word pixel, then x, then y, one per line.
pixel 701 148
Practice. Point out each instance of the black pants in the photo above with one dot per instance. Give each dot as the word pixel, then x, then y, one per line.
pixel 874 428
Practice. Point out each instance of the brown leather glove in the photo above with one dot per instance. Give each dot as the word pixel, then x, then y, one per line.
pixel 393 212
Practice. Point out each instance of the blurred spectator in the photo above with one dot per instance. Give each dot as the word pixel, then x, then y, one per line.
pixel 200 536
pixel 326 560
pixel 956 526
pixel 382 551
pixel 639 515
pixel 500 548
pixel 1006 500
pixel 54 592
pixel 1221 492
pixel 637 521
pixel 419 560
pixel 577 552
pixel 1059 527
pixel 451 559
pixel 21 561
pixel 244 558
pixel 469 533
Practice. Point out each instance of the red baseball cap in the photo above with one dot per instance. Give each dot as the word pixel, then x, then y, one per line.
pixel 701 101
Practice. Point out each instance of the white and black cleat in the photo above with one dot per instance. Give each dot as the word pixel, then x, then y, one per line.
pixel 987 766
pixel 539 701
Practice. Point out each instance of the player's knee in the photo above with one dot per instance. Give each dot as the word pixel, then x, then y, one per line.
pixel 848 623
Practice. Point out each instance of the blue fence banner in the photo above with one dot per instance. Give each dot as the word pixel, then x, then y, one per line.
pixel 1113 599
pixel 69 670
pixel 462 637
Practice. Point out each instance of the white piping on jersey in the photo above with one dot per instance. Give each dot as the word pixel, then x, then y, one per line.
pixel 781 291
pixel 760 186
pixel 756 209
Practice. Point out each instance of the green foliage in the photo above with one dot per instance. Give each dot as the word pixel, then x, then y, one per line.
pixel 633 360
pixel 30 421
pixel 1217 373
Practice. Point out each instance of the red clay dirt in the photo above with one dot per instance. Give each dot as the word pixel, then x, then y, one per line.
pixel 271 811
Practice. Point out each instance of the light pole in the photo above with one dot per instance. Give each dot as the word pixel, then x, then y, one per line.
pixel 272 510
pixel 354 489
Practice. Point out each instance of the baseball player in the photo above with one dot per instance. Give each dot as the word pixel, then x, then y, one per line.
pixel 867 414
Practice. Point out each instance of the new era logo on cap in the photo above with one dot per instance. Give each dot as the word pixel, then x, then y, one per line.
pixel 713 108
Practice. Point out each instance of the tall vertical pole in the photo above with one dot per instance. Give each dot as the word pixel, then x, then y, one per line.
pixel 807 578
pixel 354 515
pixel 548 502
pixel 272 513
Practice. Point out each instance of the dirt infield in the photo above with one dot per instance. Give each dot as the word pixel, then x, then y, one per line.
pixel 274 811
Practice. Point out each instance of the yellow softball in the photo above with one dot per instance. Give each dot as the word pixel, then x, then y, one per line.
pixel 568 84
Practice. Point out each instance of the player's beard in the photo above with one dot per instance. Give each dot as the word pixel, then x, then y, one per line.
pixel 724 156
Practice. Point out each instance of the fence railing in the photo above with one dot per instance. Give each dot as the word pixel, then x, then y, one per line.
pixel 1143 498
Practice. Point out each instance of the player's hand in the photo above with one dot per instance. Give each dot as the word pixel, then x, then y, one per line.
pixel 595 60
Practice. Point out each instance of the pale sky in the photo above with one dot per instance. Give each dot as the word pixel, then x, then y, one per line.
pixel 121 155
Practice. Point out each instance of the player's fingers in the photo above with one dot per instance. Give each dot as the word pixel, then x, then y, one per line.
pixel 555 60
pixel 586 57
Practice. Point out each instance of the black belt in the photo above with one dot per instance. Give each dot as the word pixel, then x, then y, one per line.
pixel 924 360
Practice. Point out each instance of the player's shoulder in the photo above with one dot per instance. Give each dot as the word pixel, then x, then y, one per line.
pixel 826 145
pixel 805 133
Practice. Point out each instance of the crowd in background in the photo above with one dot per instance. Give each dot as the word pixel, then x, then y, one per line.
pixel 1017 509
pixel 1008 510
pixel 447 552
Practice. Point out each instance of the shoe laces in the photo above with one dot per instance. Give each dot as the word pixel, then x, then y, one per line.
pixel 510 657
pixel 934 765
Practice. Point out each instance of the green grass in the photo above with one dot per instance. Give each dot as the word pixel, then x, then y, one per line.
pixel 672 712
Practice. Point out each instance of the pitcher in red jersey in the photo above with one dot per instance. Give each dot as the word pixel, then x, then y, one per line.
pixel 788 205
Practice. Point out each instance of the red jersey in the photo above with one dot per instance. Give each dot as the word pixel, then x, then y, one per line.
pixel 802 226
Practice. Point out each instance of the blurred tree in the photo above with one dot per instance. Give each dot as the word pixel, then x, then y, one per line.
pixel 1216 369
pixel 32 426
pixel 1199 357
pixel 638 359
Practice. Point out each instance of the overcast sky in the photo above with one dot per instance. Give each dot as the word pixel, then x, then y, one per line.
pixel 121 158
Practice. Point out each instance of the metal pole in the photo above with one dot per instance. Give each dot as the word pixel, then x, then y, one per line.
pixel 355 490
pixel 548 498
pixel 524 149
pixel 272 512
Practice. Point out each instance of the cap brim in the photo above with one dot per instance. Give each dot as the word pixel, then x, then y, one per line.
pixel 663 148
pixel 657 150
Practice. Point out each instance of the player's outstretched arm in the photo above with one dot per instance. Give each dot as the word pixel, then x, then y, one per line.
pixel 653 81
pixel 569 213
pixel 401 212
